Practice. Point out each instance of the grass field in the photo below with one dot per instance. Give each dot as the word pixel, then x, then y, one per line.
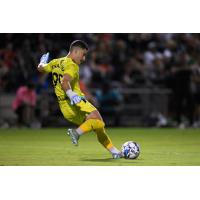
pixel 52 147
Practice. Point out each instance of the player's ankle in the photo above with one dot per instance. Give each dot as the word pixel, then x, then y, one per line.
pixel 114 150
pixel 79 131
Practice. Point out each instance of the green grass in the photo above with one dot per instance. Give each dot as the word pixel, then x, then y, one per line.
pixel 52 147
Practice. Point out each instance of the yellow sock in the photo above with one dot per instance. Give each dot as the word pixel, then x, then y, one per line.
pixel 91 124
pixel 103 138
pixel 98 126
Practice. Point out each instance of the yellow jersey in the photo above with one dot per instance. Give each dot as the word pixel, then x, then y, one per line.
pixel 59 67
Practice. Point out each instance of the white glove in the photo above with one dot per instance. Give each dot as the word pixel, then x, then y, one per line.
pixel 44 59
pixel 73 96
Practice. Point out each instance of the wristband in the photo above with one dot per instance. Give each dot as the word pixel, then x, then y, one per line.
pixel 69 93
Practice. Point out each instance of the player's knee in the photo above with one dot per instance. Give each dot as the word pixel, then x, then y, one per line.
pixel 98 124
pixel 94 115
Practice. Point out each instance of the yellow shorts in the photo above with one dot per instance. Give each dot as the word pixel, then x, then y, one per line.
pixel 76 113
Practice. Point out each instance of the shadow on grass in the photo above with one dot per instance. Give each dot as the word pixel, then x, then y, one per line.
pixel 122 160
pixel 99 160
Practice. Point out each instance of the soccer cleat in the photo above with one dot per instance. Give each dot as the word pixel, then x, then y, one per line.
pixel 74 136
pixel 117 155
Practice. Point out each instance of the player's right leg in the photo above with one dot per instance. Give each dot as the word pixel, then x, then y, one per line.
pixel 95 122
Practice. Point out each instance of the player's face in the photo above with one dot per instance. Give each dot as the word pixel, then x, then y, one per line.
pixel 80 55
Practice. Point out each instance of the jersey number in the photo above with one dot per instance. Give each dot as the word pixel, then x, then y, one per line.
pixel 56 78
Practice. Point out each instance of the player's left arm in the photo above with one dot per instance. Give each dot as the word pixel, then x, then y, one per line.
pixel 66 86
pixel 69 75
pixel 65 83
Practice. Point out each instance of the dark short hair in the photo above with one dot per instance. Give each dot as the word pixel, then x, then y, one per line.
pixel 78 43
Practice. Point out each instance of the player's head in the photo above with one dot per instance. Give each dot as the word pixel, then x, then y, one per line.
pixel 78 50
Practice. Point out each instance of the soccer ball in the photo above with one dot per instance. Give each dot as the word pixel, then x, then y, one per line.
pixel 130 150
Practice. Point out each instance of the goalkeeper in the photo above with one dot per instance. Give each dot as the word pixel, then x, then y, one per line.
pixel 72 102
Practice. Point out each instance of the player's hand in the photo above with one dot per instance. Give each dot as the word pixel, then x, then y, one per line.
pixel 73 96
pixel 44 59
pixel 75 99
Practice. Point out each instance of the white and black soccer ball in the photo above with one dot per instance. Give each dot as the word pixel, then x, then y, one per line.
pixel 130 150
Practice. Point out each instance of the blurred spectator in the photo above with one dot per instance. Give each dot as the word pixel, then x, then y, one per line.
pixel 119 57
pixel 41 82
pixel 87 93
pixel 110 102
pixel 182 94
pixel 24 104
pixel 8 55
pixel 86 73
pixel 133 73
pixel 196 90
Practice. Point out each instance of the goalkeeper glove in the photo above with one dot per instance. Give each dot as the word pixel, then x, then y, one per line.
pixel 74 97
pixel 44 59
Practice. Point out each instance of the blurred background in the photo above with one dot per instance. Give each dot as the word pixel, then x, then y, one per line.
pixel 147 80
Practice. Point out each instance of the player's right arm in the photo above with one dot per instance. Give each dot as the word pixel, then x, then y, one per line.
pixel 44 66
